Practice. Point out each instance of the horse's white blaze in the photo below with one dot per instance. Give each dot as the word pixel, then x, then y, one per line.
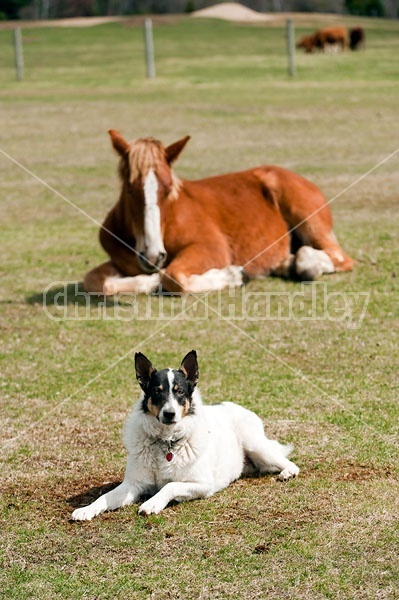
pixel 152 243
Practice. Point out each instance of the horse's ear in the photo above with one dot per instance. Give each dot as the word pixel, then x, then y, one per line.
pixel 189 367
pixel 120 145
pixel 172 152
pixel 144 369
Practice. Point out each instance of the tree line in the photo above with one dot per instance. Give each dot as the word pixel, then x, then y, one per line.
pixel 56 9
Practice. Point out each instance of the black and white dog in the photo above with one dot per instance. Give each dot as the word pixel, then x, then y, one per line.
pixel 180 449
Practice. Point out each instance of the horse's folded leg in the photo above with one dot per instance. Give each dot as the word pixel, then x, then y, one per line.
pixel 310 263
pixel 340 260
pixel 94 280
pixel 140 284
pixel 211 280
pixel 215 279
pixel 286 269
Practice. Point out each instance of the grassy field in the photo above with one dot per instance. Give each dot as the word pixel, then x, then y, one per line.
pixel 328 387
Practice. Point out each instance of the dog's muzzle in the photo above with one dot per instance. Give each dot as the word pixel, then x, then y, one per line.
pixel 168 417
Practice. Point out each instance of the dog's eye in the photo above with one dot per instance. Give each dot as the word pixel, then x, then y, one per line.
pixel 157 392
pixel 180 392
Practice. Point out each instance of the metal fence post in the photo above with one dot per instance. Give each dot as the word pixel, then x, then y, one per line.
pixel 149 49
pixel 291 47
pixel 19 56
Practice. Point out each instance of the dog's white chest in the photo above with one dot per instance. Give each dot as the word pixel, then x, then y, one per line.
pixel 162 461
pixel 168 451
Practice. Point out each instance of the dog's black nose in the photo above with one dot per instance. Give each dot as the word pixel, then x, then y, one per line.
pixel 168 416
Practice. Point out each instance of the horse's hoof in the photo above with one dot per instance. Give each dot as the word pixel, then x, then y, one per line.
pixel 245 277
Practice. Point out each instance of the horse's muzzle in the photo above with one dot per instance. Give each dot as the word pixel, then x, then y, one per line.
pixel 151 264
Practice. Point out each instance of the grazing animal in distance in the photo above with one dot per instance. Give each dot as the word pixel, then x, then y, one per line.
pixel 307 43
pixel 180 236
pixel 180 449
pixel 325 40
pixel 357 38
pixel 333 36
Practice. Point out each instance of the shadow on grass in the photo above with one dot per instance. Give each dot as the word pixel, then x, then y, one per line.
pixel 91 494
pixel 69 293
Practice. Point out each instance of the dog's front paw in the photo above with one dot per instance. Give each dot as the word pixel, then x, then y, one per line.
pixel 151 507
pixel 289 472
pixel 83 514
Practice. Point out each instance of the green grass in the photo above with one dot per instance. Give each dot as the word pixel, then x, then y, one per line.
pixel 67 385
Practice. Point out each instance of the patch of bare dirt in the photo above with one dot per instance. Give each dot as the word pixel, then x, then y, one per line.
pixel 128 21
pixel 348 470
pixel 72 22
pixel 364 472
pixel 232 11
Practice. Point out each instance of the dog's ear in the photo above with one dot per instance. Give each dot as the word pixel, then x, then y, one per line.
pixel 144 369
pixel 189 367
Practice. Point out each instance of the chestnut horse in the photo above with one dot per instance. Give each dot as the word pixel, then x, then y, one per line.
pixel 173 235
pixel 325 39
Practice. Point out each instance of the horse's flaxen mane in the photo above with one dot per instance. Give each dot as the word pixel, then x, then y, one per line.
pixel 146 154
